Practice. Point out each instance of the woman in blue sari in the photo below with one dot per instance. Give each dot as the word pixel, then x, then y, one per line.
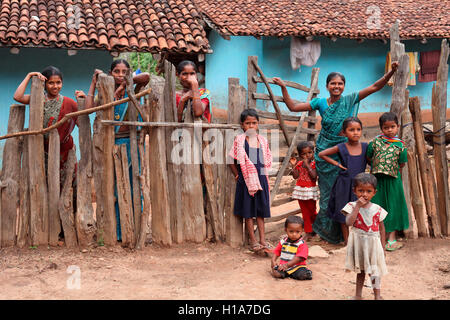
pixel 333 110
pixel 119 69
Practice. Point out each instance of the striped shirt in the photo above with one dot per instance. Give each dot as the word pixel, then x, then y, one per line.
pixel 287 250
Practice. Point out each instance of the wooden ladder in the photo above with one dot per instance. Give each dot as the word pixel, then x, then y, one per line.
pixel 310 117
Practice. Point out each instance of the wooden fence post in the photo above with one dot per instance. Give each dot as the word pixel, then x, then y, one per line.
pixel 54 185
pixel 428 182
pixel 136 194
pixel 144 151
pixel 233 223
pixel 173 170
pixel 252 86
pixel 439 107
pixel 161 232
pixel 84 217
pixel 10 177
pixel 38 184
pixel 106 167
pixel 407 135
pixel 124 195
pixel 24 233
pixel 65 205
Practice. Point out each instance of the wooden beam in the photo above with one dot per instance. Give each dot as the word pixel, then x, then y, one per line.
pixel 282 216
pixel 292 145
pixel 412 231
pixel 84 216
pixel 286 117
pixel 72 115
pixel 38 184
pixel 10 177
pixel 23 229
pixel 54 186
pixel 288 84
pixel 275 104
pixel 173 170
pixel 134 106
pixel 265 96
pixel 124 195
pixel 144 151
pixel 65 205
pixel 106 93
pixel 233 223
pixel 251 84
pixel 439 107
pixel 159 194
pixel 426 174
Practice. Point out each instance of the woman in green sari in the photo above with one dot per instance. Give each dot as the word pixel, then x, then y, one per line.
pixel 333 110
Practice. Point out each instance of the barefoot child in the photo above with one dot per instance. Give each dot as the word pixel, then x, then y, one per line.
pixel 252 160
pixel 306 190
pixel 293 252
pixel 387 155
pixel 366 239
pixel 352 156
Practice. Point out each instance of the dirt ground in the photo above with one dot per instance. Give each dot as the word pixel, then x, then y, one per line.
pixel 420 270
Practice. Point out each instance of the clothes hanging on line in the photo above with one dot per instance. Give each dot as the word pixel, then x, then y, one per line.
pixel 304 52
pixel 413 67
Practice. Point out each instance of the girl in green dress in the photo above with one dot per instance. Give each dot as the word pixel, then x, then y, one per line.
pixel 333 110
pixel 387 155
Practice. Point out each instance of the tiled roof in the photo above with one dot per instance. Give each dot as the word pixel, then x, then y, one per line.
pixel 114 25
pixel 332 18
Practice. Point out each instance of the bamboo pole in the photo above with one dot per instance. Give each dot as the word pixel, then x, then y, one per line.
pixel 426 174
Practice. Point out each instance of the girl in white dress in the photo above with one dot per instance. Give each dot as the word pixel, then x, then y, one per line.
pixel 366 240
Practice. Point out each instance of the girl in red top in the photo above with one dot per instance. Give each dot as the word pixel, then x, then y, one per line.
pixel 187 74
pixel 306 190
pixel 56 107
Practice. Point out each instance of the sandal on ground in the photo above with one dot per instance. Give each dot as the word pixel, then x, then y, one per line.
pixel 268 246
pixel 391 247
pixel 256 247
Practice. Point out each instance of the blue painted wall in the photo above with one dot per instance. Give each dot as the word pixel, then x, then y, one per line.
pixel 361 63
pixel 77 71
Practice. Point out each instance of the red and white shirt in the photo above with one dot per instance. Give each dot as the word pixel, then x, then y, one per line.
pixel 368 219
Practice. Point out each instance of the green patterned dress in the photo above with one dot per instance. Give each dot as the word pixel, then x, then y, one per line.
pixel 332 118
pixel 386 156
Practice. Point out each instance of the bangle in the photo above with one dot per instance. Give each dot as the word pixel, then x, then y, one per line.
pixel 236 177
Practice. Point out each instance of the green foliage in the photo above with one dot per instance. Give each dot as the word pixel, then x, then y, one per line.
pixel 142 60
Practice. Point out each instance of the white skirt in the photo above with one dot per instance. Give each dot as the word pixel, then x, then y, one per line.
pixel 305 193
pixel 365 253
